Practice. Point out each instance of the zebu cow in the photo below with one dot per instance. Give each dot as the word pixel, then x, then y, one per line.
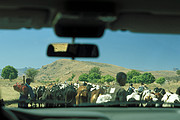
pixel 95 94
pixel 38 92
pixel 104 98
pixel 178 91
pixel 70 94
pixel 134 97
pixel 60 95
pixel 54 92
pixel 83 95
pixel 76 85
pixel 159 93
pixel 149 97
pixel 94 87
pixel 47 96
pixel 170 98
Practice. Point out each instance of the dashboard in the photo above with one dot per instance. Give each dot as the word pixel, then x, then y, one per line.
pixel 98 113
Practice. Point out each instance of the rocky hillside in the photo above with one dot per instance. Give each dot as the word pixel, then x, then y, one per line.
pixel 63 69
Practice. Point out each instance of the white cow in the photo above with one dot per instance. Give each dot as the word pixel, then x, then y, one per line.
pixel 76 85
pixel 170 98
pixel 134 95
pixel 148 95
pixel 104 98
pixel 94 87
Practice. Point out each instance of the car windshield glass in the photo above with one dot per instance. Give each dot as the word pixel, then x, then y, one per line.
pixel 131 67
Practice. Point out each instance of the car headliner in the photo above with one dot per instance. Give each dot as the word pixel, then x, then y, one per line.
pixel 152 16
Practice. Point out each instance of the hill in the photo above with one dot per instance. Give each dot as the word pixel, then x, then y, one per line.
pixel 63 69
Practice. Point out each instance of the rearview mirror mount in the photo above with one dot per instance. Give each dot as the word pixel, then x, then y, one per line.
pixel 79 29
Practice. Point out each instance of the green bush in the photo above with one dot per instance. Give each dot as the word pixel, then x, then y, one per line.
pixel 108 78
pixel 93 76
pixel 145 78
pixel 31 73
pixel 9 72
pixel 178 72
pixel 95 70
pixel 83 77
pixel 132 74
pixel 160 80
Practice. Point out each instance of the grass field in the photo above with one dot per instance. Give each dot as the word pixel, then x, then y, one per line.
pixel 8 93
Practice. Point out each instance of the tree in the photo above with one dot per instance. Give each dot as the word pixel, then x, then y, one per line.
pixel 31 73
pixel 178 72
pixel 147 78
pixel 9 72
pixel 94 81
pixel 95 70
pixel 12 76
pixel 101 81
pixel 83 77
pixel 132 74
pixel 93 76
pixel 108 78
pixel 136 79
pixel 160 80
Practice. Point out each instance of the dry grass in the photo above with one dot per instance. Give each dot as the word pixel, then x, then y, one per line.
pixel 8 93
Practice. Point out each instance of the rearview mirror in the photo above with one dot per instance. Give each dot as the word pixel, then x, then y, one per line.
pixel 72 50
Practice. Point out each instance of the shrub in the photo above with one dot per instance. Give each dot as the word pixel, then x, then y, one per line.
pixel 9 72
pixel 160 80
pixel 132 74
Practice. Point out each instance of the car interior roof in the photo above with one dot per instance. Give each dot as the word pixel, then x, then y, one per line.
pixel 150 16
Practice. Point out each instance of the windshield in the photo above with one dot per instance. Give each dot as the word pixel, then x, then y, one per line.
pixel 148 64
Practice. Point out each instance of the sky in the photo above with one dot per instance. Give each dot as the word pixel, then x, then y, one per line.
pixel 148 52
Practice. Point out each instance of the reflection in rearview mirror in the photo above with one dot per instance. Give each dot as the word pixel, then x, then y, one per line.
pixel 72 50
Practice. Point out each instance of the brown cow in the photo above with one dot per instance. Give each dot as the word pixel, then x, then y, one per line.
pixel 82 95
pixel 95 94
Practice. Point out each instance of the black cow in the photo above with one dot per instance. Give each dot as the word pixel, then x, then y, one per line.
pixel 178 91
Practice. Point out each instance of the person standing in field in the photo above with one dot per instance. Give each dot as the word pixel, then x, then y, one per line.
pixel 24 97
pixel 117 92
pixel 130 89
pixel 142 88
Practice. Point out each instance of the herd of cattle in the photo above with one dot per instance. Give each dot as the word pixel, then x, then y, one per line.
pixel 58 95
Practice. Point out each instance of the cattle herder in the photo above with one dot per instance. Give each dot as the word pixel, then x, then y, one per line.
pixel 25 96
pixel 117 92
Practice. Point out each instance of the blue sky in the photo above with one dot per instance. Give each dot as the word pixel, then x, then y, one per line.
pixel 27 48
